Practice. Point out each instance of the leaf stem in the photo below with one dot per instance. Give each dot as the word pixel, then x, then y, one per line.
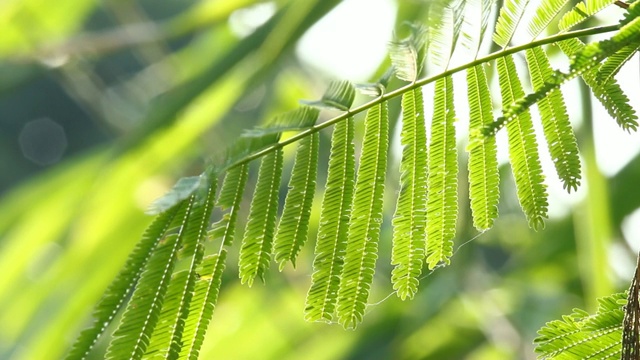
pixel 419 83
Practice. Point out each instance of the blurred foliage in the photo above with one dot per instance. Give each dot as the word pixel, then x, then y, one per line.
pixel 145 91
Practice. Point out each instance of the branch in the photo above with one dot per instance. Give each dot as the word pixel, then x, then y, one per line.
pixel 422 82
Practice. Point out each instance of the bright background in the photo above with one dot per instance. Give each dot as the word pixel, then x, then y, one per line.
pixel 103 105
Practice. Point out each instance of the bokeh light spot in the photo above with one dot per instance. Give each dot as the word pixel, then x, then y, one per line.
pixel 43 141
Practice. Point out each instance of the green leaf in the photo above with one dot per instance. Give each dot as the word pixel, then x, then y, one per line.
pixel 595 52
pixel 445 22
pixel 233 186
pixel 615 62
pixel 436 12
pixel 366 218
pixel 230 198
pixel 582 11
pixel 475 27
pixel 457 13
pixel 334 222
pixel 410 219
pixel 442 182
pixel 255 253
pixel 166 339
pixel 546 11
pixel 630 16
pixel 339 95
pixel 302 118
pixel 180 191
pixel 115 295
pixel 561 140
pixel 202 304
pixel 523 149
pixel 609 94
pixel 246 145
pixel 487 6
pixel 510 15
pixel 584 60
pixel 615 101
pixel 407 55
pixel 196 229
pixel 161 344
pixel 131 338
pixel 441 40
pixel 294 222
pixel 584 336
pixel 484 178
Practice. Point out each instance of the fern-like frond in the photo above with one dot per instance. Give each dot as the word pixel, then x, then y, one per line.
pixel 584 336
pixel 595 52
pixel 610 95
pixel 183 188
pixel 582 11
pixel 561 140
pixel 299 119
pixel 630 16
pixel 230 198
pixel 410 219
pixel 457 13
pixel 131 338
pixel 232 186
pixel 334 223
pixel 167 336
pixel 615 62
pixel 246 145
pixel 294 222
pixel 444 32
pixel 407 55
pixel 484 178
pixel 257 244
pixel 585 61
pixel 366 219
pixel 161 343
pixel 442 182
pixel 608 314
pixel 523 149
pixel 202 304
pixel 436 10
pixel 476 22
pixel 115 295
pixel 546 11
pixel 196 229
pixel 510 15
pixel 339 95
pixel 441 37
pixel 615 101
